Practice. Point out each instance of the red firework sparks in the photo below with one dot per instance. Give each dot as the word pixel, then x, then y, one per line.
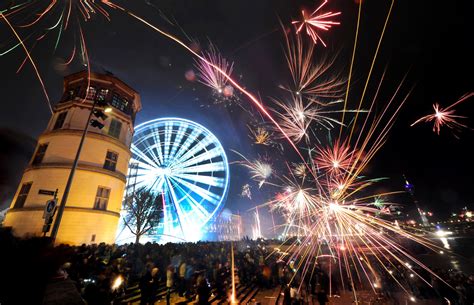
pixel 445 116
pixel 315 22
pixel 335 159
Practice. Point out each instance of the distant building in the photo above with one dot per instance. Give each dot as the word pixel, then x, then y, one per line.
pixel 92 210
pixel 225 227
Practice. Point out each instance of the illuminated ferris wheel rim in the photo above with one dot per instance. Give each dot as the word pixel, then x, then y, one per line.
pixel 147 124
pixel 179 143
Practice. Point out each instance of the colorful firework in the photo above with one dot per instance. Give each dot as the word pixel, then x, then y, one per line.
pixel 260 170
pixel 295 118
pixel 445 116
pixel 297 115
pixel 332 217
pixel 209 76
pixel 260 135
pixel 336 158
pixel 310 78
pixel 35 20
pixel 39 19
pixel 379 202
pixel 295 203
pixel 316 22
pixel 299 170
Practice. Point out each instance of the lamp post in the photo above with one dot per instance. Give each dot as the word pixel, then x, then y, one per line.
pixel 95 123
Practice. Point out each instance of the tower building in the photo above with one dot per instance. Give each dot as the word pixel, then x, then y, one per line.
pixel 92 210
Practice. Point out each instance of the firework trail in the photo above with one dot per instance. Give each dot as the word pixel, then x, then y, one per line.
pixel 39 19
pixel 208 75
pixel 256 229
pixel 316 79
pixel 445 116
pixel 55 17
pixel 372 64
pixel 37 72
pixel 315 22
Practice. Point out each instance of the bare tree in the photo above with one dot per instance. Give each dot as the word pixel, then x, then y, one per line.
pixel 143 212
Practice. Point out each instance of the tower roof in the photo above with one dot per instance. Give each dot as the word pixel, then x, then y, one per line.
pixel 105 78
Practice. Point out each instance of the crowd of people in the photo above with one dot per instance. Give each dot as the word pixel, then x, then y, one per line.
pixel 105 274
pixel 35 272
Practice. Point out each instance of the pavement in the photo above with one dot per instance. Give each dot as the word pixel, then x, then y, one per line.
pixel 252 295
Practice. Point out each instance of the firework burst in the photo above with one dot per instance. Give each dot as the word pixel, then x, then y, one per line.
pixel 445 116
pixel 315 22
pixel 295 118
pixel 260 135
pixel 260 170
pixel 209 76
pixel 299 170
pixel 336 158
pixel 297 115
pixel 315 79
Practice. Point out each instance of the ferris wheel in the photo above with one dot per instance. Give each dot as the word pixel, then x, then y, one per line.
pixel 186 165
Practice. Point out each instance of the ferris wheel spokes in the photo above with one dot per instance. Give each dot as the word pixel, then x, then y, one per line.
pixel 184 163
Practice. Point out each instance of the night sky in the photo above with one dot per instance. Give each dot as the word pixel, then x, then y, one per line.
pixel 430 43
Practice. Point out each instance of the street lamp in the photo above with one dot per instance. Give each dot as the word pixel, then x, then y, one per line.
pixel 94 123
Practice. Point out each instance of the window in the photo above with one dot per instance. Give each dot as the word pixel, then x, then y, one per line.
pixel 39 155
pixel 60 120
pixel 102 95
pixel 114 129
pixel 21 198
pixel 91 93
pixel 101 198
pixel 119 102
pixel 110 160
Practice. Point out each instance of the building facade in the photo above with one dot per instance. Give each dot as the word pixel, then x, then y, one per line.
pixel 224 227
pixel 93 206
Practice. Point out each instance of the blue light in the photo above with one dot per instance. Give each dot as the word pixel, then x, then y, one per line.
pixel 185 163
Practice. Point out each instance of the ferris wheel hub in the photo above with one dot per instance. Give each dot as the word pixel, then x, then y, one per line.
pixel 163 171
